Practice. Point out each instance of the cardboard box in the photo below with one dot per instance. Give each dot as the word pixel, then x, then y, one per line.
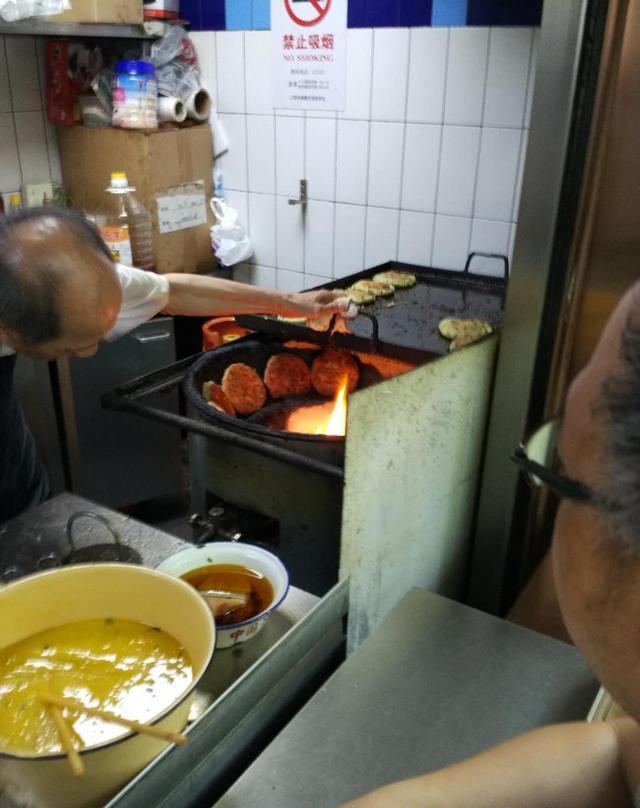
pixel 163 165
pixel 125 12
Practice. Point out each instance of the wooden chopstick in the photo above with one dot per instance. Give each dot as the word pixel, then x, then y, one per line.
pixel 136 726
pixel 66 739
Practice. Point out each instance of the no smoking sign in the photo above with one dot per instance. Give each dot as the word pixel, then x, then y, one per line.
pixel 307 12
pixel 309 53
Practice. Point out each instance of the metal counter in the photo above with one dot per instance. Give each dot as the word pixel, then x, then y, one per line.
pixel 248 691
pixel 437 682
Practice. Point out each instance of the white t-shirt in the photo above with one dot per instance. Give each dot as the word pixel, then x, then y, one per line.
pixel 144 294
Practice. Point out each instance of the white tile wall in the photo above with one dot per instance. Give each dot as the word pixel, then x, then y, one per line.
pixel 289 155
pixel 230 69
pixel 390 61
pixel 359 61
pixel 507 76
pixel 289 235
pixel 423 164
pixel 261 157
pixel 10 175
pixel 427 71
pixel 233 162
pixel 5 89
pixel 416 237
pixel 318 255
pixel 497 173
pixel 466 75
pixel 352 162
pixel 28 144
pixel 451 242
pixel 32 146
pixel 458 165
pixel 258 45
pixel 262 215
pixel 385 164
pixel 381 240
pixel 348 255
pixel 289 281
pixel 320 158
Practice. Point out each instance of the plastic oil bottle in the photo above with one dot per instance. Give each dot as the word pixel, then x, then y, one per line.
pixel 125 224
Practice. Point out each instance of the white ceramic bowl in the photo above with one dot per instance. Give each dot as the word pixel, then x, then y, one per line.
pixel 230 552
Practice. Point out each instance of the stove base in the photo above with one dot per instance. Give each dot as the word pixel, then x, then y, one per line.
pixel 307 506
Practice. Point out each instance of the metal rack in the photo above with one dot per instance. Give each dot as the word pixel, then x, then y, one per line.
pixel 35 27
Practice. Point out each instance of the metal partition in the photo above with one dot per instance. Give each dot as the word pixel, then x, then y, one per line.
pixel 411 471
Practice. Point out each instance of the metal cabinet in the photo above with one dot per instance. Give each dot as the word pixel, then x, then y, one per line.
pixel 114 458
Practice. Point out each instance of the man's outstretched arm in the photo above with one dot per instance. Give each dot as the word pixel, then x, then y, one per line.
pixel 202 295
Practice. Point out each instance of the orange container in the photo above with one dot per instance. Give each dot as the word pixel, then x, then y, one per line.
pixel 219 331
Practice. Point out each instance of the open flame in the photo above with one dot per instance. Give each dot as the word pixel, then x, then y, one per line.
pixel 322 419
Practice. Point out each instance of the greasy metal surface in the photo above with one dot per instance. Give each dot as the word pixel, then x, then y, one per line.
pixel 438 682
pixel 411 470
pixel 37 539
pixel 408 329
pixel 249 712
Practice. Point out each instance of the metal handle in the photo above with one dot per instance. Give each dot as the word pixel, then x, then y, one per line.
pixel 92 515
pixel 375 331
pixel 497 256
pixel 302 199
pixel 161 335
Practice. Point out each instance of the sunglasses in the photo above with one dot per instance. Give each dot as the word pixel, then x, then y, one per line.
pixel 537 457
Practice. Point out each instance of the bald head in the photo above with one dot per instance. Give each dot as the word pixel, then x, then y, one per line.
pixel 59 292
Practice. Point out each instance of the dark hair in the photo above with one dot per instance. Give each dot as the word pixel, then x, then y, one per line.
pixel 619 402
pixel 29 293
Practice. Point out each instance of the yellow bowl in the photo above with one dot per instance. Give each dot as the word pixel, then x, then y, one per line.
pixel 87 592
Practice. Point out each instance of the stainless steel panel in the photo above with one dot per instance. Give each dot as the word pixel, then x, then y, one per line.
pixel 552 113
pixel 427 689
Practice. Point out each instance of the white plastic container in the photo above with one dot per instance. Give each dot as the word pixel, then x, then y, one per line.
pixel 135 95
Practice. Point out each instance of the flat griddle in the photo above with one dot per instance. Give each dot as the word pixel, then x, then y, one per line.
pixel 408 329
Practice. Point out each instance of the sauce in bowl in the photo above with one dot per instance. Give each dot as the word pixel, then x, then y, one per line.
pixel 237 579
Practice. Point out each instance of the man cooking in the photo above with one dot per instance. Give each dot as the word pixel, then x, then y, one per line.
pixel 61 295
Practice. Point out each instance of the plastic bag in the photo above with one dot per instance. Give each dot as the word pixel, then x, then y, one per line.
pixel 175 45
pixel 178 80
pixel 176 63
pixel 228 237
pixel 13 10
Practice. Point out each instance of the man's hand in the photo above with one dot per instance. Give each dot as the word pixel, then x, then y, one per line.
pixel 323 302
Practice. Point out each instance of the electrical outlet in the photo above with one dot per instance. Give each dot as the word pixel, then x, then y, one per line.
pixel 33 194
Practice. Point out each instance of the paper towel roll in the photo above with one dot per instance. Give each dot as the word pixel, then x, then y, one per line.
pixel 199 105
pixel 171 109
